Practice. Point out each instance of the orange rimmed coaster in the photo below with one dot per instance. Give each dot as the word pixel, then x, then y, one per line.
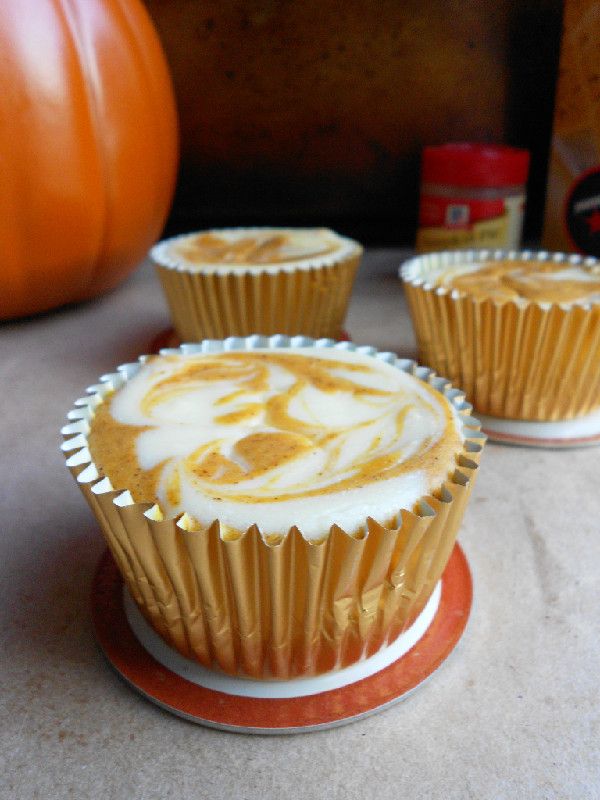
pixel 168 338
pixel 577 432
pixel 163 684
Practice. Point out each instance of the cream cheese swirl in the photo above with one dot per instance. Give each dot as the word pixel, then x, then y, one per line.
pixel 254 249
pixel 524 280
pixel 302 436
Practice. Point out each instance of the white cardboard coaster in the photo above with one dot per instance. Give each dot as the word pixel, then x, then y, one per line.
pixel 577 432
pixel 276 689
pixel 242 705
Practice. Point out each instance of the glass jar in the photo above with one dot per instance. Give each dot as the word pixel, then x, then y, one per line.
pixel 472 196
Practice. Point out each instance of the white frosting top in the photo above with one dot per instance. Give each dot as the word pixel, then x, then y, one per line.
pixel 254 250
pixel 304 436
pixel 518 279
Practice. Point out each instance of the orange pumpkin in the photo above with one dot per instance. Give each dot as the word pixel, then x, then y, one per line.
pixel 88 144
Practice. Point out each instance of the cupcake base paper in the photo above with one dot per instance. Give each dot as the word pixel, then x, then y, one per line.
pixel 518 360
pixel 238 704
pixel 277 606
pixel 307 295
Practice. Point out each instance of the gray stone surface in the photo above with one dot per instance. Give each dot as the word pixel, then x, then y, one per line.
pixel 514 712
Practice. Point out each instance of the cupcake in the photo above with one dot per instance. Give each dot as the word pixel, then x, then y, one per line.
pixel 277 507
pixel 518 331
pixel 235 282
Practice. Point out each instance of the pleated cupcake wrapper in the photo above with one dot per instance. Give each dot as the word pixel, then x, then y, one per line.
pixel 279 606
pixel 527 360
pixel 311 301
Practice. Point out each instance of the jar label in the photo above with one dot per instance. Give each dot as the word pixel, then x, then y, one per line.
pixel 455 223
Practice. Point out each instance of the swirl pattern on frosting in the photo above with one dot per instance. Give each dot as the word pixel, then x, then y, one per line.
pixel 512 279
pixel 277 438
pixel 254 249
pixel 269 247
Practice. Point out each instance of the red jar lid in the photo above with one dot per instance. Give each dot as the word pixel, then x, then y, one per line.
pixel 469 164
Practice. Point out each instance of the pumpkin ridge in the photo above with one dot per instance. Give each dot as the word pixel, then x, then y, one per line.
pixel 77 35
pixel 163 170
pixel 90 146
pixel 129 15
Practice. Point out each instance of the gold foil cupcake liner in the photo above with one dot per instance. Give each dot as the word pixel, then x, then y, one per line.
pixel 283 606
pixel 311 299
pixel 526 361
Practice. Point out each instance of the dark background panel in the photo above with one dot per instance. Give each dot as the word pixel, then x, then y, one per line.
pixel 315 112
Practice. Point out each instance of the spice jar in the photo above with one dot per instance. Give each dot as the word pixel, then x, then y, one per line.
pixel 472 196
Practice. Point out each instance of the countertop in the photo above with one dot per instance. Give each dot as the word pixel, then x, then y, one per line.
pixel 513 713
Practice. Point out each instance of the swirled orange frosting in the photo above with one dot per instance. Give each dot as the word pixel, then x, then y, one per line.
pixel 539 281
pixel 276 438
pixel 259 247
